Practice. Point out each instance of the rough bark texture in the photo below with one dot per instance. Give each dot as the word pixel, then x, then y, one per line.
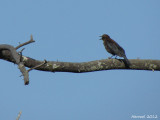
pixel 13 54
pixel 9 53
pixel 98 65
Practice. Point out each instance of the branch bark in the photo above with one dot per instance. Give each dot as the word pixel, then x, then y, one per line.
pixel 9 53
pixel 16 59
pixel 97 65
pixel 26 43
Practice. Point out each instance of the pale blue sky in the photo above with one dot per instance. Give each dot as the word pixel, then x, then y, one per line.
pixel 69 30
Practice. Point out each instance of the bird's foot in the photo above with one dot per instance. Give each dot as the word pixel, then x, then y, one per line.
pixel 115 57
pixel 110 57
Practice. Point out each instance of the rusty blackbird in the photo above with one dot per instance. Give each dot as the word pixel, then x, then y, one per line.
pixel 114 48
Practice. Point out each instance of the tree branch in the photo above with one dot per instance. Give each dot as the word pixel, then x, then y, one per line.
pixel 9 53
pixel 97 65
pixel 16 59
pixel 19 115
pixel 26 43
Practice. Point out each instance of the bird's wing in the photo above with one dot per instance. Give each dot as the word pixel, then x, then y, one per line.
pixel 116 49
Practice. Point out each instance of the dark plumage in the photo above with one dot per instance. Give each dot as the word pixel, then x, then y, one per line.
pixel 114 48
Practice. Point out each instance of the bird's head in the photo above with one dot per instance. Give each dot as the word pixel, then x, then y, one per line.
pixel 104 37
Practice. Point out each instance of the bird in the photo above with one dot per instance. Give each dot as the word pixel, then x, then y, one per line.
pixel 114 48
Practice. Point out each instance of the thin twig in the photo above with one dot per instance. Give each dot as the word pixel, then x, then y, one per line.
pixel 28 42
pixel 19 115
pixel 20 52
pixel 37 66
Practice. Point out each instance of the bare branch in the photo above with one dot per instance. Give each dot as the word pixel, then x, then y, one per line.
pixel 28 42
pixel 16 59
pixel 20 52
pixel 98 65
pixel 37 66
pixel 19 115
pixel 9 53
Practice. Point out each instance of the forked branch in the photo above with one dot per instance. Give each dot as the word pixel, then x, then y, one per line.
pixel 9 53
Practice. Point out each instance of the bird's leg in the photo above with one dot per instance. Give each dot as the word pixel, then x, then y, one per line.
pixel 115 56
pixel 110 57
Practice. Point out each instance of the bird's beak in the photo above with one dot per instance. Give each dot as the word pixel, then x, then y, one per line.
pixel 100 38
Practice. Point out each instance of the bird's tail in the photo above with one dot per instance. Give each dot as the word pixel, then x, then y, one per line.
pixel 127 63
